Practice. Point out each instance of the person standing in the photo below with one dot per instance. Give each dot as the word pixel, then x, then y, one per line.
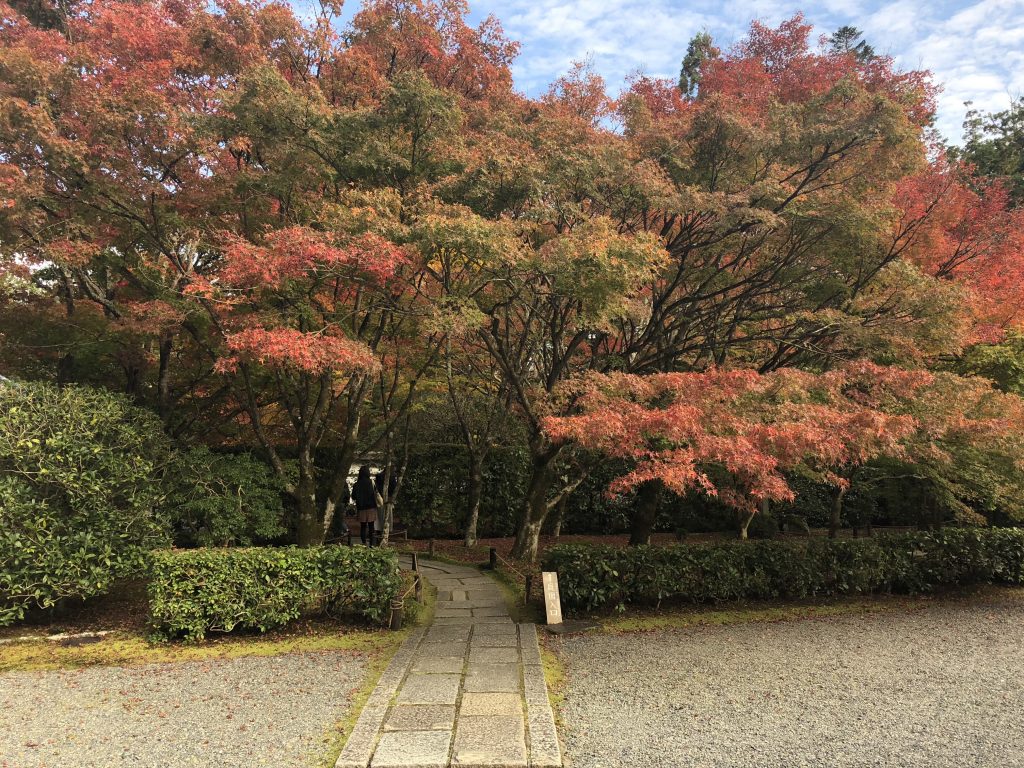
pixel 365 496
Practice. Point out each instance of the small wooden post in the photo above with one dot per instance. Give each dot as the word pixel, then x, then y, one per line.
pixel 396 615
pixel 415 562
pixel 493 565
pixel 419 588
pixel 430 548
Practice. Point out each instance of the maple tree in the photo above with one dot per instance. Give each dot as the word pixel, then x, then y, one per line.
pixel 281 234
pixel 736 434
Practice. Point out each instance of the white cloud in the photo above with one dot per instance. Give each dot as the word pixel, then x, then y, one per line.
pixel 974 49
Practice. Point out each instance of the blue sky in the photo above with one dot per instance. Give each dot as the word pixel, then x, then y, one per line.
pixel 974 49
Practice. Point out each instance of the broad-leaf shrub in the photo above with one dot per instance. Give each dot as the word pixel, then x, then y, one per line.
pixel 596 578
pixel 77 493
pixel 192 592
pixel 216 499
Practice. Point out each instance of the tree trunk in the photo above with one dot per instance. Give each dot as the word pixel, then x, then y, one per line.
pixel 836 513
pixel 556 526
pixel 164 375
pixel 476 482
pixel 309 530
pixel 744 523
pixel 744 518
pixel 645 513
pixel 535 506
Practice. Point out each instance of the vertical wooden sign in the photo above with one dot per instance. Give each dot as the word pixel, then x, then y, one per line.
pixel 552 600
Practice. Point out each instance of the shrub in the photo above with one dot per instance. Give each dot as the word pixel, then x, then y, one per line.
pixel 192 592
pixel 76 493
pixel 596 578
pixel 214 499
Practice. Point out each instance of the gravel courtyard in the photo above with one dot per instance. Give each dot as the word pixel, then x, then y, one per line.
pixel 256 711
pixel 942 686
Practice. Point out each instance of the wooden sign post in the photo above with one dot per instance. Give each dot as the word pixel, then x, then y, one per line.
pixel 552 600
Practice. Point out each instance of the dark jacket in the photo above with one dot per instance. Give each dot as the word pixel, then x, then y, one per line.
pixel 364 494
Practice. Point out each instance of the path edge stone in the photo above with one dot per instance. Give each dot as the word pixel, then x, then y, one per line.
pixel 544 748
pixel 361 742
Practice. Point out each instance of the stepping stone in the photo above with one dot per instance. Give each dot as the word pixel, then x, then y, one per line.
pixel 504 640
pixel 429 689
pixel 490 741
pixel 453 613
pixel 491 704
pixel 496 602
pixel 492 678
pixel 446 634
pixel 452 647
pixel 493 655
pixel 494 620
pixel 421 717
pixel 439 665
pixel 495 611
pixel 405 749
pixel 494 629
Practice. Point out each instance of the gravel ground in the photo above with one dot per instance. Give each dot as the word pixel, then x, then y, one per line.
pixel 257 711
pixel 939 687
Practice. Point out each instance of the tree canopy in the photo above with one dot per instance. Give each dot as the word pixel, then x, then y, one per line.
pixel 285 236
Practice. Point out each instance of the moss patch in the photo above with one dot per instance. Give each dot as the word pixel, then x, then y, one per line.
pixel 129 649
pixel 556 679
pixel 683 618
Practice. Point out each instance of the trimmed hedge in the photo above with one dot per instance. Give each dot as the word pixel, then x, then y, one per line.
pixel 600 578
pixel 192 592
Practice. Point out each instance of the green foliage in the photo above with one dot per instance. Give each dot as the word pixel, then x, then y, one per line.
pixel 222 499
pixel 994 144
pixel 192 592
pixel 76 493
pixel 434 491
pixel 700 49
pixel 849 39
pixel 598 578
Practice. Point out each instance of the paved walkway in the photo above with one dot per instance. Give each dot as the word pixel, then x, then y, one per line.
pixel 466 691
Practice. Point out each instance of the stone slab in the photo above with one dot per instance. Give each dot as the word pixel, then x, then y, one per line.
pixel 489 704
pixel 490 742
pixel 493 655
pixel 429 689
pixel 421 717
pixel 432 665
pixel 443 648
pixel 503 640
pixel 406 749
pixel 453 613
pixel 446 634
pixel 529 644
pixel 490 611
pixel 506 628
pixel 498 678
pixel 484 594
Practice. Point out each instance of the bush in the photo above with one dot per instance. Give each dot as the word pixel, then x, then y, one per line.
pixel 598 578
pixel 192 592
pixel 76 493
pixel 214 499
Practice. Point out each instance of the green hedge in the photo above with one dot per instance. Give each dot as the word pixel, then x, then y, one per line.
pixel 598 578
pixel 192 592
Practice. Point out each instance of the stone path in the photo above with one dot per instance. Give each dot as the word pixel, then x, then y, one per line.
pixel 468 690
